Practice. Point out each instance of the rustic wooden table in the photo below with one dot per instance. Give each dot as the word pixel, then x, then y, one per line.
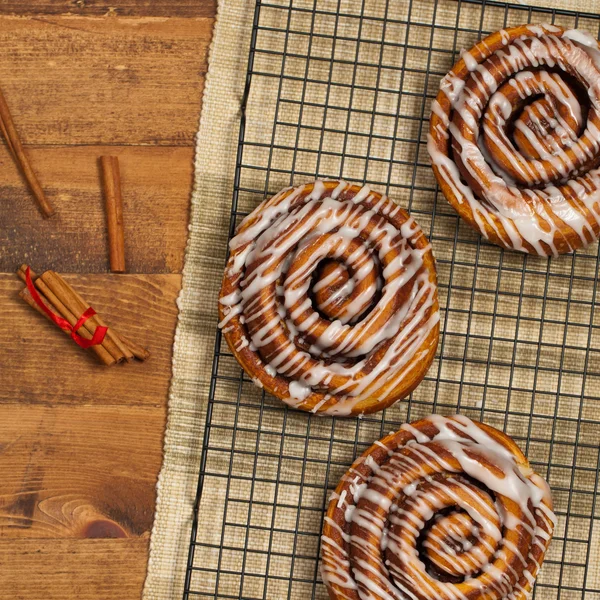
pixel 80 445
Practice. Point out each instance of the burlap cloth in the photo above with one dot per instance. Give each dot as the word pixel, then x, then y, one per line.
pixel 194 341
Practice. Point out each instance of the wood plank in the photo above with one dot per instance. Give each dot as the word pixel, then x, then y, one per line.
pixel 156 185
pixel 148 8
pixel 72 569
pixel 41 365
pixel 79 472
pixel 103 80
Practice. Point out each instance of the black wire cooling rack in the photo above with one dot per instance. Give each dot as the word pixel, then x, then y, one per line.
pixel 342 88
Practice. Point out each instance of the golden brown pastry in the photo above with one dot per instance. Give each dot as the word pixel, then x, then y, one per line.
pixel 329 299
pixel 514 138
pixel 444 509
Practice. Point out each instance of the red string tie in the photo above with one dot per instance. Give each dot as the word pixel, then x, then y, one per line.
pixel 99 333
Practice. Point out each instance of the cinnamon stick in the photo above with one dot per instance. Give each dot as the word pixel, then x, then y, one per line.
pixel 111 178
pixel 139 352
pixel 7 127
pixel 61 299
pixel 69 312
pixel 77 305
pixel 111 334
pixel 99 351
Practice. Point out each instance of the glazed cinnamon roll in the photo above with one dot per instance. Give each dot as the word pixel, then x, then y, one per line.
pixel 443 509
pixel 329 299
pixel 514 138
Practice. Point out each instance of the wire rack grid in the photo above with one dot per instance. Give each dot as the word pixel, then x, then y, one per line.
pixel 342 88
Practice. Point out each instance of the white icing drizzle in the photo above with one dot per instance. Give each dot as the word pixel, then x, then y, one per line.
pixel 477 100
pixel 410 515
pixel 332 364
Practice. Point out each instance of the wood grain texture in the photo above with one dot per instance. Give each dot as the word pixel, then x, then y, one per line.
pixel 166 8
pixel 80 444
pixel 156 186
pixel 64 569
pixel 67 474
pixel 42 365
pixel 118 81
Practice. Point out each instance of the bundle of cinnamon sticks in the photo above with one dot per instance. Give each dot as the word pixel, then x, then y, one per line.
pixel 62 300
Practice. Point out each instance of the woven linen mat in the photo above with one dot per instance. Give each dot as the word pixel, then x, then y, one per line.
pixel 194 341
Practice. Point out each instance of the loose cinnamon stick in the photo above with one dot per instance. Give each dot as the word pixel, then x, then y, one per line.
pixel 69 312
pixel 111 178
pixel 77 305
pixel 13 142
pixel 99 351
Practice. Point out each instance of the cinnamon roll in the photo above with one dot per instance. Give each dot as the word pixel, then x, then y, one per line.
pixel 445 508
pixel 329 299
pixel 514 138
